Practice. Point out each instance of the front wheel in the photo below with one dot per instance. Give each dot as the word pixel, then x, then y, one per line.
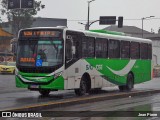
pixel 83 88
pixel 44 92
pixel 122 88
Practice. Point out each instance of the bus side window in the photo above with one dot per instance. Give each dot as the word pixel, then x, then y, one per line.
pixel 76 44
pixel 88 47
pixel 114 48
pixel 150 51
pixel 125 45
pixel 101 48
pixel 135 50
pixel 144 50
pixel 76 41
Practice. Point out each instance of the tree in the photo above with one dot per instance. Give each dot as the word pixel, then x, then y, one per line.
pixel 20 18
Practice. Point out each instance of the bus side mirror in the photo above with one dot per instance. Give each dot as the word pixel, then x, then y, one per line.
pixel 73 50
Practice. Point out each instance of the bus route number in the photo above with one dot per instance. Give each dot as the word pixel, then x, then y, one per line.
pixel 89 67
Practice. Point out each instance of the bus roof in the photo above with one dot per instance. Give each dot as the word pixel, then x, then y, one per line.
pixel 111 35
pixel 108 32
pixel 117 37
pixel 99 34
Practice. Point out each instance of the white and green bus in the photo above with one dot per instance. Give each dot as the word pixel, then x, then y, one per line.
pixel 51 59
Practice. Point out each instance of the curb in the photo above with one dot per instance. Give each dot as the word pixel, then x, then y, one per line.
pixel 82 100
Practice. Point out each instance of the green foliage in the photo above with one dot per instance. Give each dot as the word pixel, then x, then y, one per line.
pixel 20 18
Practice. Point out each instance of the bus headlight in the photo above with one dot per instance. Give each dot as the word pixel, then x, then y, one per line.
pixel 57 75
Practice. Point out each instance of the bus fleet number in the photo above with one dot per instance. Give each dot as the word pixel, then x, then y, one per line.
pixel 89 67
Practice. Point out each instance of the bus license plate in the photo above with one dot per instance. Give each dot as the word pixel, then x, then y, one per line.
pixel 34 86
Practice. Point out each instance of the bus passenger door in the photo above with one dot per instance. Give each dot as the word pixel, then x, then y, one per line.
pixel 72 55
pixel 73 48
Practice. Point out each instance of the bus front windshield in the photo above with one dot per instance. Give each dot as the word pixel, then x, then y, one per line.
pixel 40 53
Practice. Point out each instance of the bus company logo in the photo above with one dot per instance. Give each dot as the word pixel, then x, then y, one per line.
pixel 6 114
pixel 97 67
pixel 20 115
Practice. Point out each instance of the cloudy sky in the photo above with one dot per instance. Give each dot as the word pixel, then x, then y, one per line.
pixel 132 11
pixel 76 11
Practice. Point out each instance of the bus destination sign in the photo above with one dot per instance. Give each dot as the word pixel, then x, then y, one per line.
pixel 42 33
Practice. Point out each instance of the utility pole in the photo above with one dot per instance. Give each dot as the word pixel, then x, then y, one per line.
pixel 87 25
pixel 142 22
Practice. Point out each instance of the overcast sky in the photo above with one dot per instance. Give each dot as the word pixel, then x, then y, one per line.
pixel 76 11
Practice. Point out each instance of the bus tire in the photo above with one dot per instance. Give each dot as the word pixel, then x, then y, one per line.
pixel 44 92
pixel 122 88
pixel 83 87
pixel 130 82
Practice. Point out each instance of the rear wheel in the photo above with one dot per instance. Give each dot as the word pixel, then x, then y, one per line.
pixel 83 87
pixel 130 83
pixel 44 92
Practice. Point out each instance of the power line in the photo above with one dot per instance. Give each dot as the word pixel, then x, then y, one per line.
pixel 94 20
pixel 132 19
pixel 155 18
pixel 136 19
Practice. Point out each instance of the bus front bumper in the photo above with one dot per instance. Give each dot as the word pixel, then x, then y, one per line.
pixel 56 84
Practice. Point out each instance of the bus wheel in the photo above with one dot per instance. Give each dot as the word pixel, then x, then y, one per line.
pixel 122 88
pixel 44 92
pixel 130 82
pixel 83 88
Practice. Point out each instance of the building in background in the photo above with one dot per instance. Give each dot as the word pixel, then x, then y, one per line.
pixel 5 39
pixel 5 46
pixel 49 22
pixel 38 22
pixel 137 32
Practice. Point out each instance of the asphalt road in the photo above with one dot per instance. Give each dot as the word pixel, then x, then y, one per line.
pixel 12 97
pixel 128 108
pixel 7 83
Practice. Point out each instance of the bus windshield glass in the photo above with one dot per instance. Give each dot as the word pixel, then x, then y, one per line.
pixel 38 53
